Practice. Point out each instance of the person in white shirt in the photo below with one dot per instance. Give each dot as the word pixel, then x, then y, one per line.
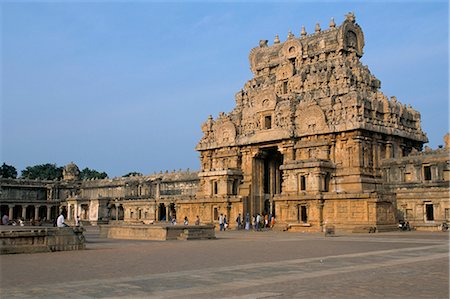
pixel 60 221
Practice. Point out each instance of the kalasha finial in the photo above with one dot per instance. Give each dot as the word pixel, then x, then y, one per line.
pixel 318 27
pixel 350 17
pixel 332 23
pixel 290 35
pixel 276 40
pixel 303 33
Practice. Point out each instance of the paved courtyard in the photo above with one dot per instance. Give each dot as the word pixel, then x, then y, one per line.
pixel 238 264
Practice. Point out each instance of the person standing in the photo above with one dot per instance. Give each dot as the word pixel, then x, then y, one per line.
pixel 258 221
pixel 186 222
pixel 225 223
pixel 77 221
pixel 247 221
pixel 221 222
pixel 197 221
pixel 239 221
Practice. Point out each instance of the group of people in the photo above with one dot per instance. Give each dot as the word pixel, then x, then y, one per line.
pixel 20 221
pixel 58 222
pixel 257 222
pixel 186 221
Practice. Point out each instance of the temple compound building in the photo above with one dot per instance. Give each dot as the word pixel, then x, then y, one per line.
pixel 312 141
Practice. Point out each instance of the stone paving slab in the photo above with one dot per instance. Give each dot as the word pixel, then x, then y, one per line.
pixel 415 267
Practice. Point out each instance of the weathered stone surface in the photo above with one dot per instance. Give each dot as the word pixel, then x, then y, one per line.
pixel 40 239
pixel 158 232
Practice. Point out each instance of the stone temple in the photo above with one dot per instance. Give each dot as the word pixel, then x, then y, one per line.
pixel 312 140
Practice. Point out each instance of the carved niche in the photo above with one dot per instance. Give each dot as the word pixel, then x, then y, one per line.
pixel 285 71
pixel 291 49
pixel 225 132
pixel 310 119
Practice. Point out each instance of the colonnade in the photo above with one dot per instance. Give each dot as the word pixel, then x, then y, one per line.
pixel 38 214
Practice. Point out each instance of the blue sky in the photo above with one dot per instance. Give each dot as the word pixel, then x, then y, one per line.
pixel 125 86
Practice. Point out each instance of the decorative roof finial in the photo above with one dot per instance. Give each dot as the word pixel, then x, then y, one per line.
pixel 350 17
pixel 318 27
pixel 277 39
pixel 332 23
pixel 263 43
pixel 290 35
pixel 303 33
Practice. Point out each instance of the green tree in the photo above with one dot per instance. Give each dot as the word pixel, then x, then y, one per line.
pixel 43 172
pixel 8 171
pixel 87 174
pixel 133 173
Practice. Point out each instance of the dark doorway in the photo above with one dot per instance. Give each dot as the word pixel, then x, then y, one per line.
pixel 42 212
pixel 162 212
pixel 4 210
pixel 429 212
pixel 121 213
pixel 17 212
pixel 266 179
pixel 172 212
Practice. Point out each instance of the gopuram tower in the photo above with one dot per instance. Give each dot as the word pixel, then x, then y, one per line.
pixel 305 140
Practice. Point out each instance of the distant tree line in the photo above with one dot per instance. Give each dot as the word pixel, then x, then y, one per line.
pixel 47 171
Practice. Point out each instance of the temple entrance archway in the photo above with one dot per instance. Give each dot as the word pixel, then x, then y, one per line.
pixel 266 180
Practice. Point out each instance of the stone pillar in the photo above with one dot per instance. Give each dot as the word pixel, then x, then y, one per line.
pixel 158 189
pixel 388 150
pixel 24 211
pixel 49 210
pixel 11 211
pixel 36 212
pixel 68 211
pixel 167 213
pixel 117 211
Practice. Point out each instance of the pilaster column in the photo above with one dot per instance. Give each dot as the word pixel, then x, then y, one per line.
pixel 49 209
pixel 388 150
pixel 24 211
pixel 167 213
pixel 117 211
pixel 11 211
pixel 36 212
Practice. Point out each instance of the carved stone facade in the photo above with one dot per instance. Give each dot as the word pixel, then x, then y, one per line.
pixel 307 135
pixel 421 184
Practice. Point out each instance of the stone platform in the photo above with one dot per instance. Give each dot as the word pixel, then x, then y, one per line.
pixel 32 239
pixel 159 232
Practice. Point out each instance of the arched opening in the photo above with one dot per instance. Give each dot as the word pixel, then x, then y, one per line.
pixel 17 212
pixel 4 210
pixel 29 214
pixel 54 212
pixel 84 213
pixel 42 214
pixel 121 213
pixel 113 212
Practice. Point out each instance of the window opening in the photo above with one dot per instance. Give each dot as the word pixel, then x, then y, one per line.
pixel 427 173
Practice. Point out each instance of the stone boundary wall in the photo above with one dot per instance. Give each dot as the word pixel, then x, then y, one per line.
pixel 158 232
pixel 42 239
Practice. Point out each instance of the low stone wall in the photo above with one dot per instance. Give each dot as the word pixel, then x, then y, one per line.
pixel 34 239
pixel 158 232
